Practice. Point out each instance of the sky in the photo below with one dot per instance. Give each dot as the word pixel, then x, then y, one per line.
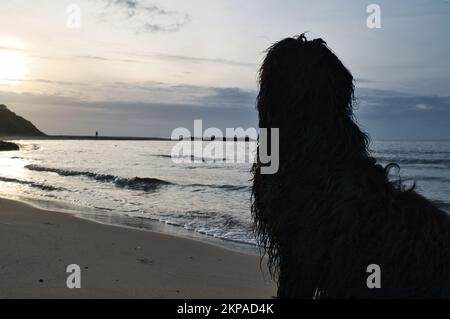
pixel 144 68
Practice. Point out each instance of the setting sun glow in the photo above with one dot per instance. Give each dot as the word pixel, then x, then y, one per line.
pixel 12 66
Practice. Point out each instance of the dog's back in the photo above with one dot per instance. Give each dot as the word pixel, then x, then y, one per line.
pixel 330 210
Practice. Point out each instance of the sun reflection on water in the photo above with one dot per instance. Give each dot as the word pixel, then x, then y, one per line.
pixel 12 167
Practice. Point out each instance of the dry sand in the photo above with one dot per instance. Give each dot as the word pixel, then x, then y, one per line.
pixel 36 246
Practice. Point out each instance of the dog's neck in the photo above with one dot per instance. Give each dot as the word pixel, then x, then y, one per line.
pixel 336 142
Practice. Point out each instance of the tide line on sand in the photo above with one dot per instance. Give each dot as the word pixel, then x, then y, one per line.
pixel 116 262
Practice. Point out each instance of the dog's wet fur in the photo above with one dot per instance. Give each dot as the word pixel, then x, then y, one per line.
pixel 331 211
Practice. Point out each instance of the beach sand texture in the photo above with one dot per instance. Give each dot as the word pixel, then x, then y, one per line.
pixel 36 246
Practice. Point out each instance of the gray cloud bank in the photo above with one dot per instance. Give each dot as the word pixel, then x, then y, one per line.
pixel 384 114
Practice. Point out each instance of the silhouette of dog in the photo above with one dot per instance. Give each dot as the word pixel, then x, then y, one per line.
pixel 330 211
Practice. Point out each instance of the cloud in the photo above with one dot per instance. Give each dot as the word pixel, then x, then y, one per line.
pixel 208 96
pixel 3 48
pixel 383 113
pixel 388 103
pixel 153 92
pixel 173 27
pixel 68 83
pixel 370 103
pixel 388 114
pixel 36 99
pixel 153 55
pixel 364 81
pixel 133 7
pixel 230 97
pixel 104 59
pixel 142 58
pixel 57 114
pixel 191 59
pixel 424 107
pixel 145 18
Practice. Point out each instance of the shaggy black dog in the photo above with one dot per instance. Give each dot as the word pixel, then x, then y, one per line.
pixel 330 211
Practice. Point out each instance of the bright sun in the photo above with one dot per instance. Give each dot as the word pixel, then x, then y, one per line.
pixel 12 66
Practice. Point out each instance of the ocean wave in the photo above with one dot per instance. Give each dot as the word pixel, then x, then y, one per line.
pixel 210 223
pixel 43 187
pixel 442 205
pixel 221 186
pixel 137 183
pixel 29 147
pixel 203 167
pixel 391 152
pixel 412 161
pixel 427 178
pixel 194 158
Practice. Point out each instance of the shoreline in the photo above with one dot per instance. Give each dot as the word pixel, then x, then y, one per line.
pixel 115 219
pixel 116 261
pixel 81 137
pixel 119 138
pixel 161 226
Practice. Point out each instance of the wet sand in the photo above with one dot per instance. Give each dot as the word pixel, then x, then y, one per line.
pixel 36 246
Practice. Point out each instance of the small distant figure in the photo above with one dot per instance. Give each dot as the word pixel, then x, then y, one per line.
pixel 96 134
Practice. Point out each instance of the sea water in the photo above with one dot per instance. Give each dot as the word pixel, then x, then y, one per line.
pixel 136 183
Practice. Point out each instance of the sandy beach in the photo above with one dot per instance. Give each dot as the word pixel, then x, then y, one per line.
pixel 36 246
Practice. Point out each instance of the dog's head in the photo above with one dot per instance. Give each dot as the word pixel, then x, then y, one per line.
pixel 307 93
pixel 303 80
